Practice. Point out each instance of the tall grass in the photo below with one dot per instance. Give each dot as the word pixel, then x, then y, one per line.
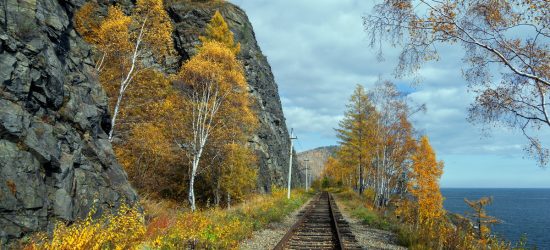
pixel 359 208
pixel 224 229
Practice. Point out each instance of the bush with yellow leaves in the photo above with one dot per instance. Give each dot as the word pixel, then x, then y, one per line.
pixel 119 230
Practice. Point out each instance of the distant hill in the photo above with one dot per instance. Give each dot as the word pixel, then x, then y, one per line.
pixel 317 158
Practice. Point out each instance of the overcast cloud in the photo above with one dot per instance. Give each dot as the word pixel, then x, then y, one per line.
pixel 318 52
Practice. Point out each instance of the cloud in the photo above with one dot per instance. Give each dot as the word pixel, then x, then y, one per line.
pixel 319 51
pixel 312 120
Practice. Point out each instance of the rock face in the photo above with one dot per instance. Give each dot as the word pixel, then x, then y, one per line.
pixel 55 159
pixel 271 142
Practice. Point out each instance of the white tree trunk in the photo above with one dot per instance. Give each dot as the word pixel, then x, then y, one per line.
pixel 205 108
pixel 228 200
pixel 191 190
pixel 195 165
pixel 126 81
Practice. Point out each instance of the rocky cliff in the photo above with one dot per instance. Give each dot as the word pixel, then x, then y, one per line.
pixel 55 159
pixel 271 142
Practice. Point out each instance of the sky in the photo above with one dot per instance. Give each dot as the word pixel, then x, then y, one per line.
pixel 319 52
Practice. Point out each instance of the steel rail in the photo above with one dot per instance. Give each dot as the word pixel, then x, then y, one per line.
pixel 290 232
pixel 340 243
pixel 301 235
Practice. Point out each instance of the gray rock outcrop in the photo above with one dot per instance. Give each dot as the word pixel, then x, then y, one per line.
pixel 271 142
pixel 55 159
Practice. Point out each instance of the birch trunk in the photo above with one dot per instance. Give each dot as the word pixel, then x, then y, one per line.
pixel 126 81
pixel 205 108
pixel 195 165
pixel 228 200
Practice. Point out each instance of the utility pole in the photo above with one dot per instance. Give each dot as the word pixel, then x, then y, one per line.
pixel 307 168
pixel 292 137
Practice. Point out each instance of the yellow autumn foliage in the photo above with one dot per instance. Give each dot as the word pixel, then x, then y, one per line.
pixel 150 125
pixel 169 228
pixel 424 183
pixel 121 230
pixel 157 33
pixel 214 63
pixel 87 23
pixel 214 79
pixel 239 174
pixel 218 30
pixel 120 44
pixel 114 35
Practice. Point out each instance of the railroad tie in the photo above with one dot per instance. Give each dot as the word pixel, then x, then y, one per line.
pixel 320 226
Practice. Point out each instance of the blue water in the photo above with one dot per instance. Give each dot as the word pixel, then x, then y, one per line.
pixel 521 210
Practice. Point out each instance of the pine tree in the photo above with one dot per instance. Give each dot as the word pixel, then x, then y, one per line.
pixel 479 216
pixel 355 133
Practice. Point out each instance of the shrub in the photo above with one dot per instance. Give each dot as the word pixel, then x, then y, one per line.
pixel 348 194
pixel 112 231
pixel 408 237
pixel 369 194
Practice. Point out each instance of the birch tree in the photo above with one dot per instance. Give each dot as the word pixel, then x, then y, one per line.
pixel 122 43
pixel 147 152
pixel 239 122
pixel 507 54
pixel 376 142
pixel 209 80
pixel 393 141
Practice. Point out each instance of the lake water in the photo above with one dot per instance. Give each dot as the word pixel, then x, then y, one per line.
pixel 521 210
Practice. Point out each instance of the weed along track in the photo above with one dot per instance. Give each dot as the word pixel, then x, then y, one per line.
pixel 321 226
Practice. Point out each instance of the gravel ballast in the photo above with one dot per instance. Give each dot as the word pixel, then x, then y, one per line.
pixel 273 233
pixel 368 238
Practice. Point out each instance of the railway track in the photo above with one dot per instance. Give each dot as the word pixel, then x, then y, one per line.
pixel 320 226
